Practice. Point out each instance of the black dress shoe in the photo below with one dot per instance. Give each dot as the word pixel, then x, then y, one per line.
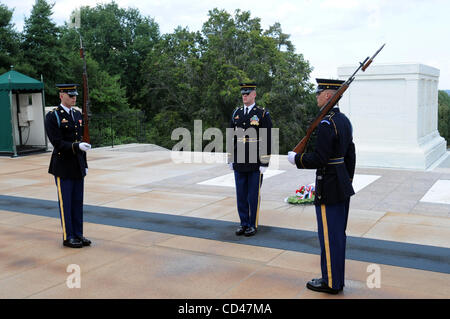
pixel 320 286
pixel 250 231
pixel 85 241
pixel 241 230
pixel 73 243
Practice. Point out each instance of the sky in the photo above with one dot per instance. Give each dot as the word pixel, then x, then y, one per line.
pixel 328 33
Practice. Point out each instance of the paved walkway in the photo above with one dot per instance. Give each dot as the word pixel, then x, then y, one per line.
pixel 163 229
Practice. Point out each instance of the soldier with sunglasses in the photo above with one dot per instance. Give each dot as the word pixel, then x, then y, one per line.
pixel 64 128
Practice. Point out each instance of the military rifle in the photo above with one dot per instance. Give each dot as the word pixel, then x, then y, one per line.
pixel 86 102
pixel 300 147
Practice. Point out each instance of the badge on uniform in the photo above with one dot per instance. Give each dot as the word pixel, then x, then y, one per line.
pixel 79 121
pixel 64 121
pixel 236 117
pixel 254 120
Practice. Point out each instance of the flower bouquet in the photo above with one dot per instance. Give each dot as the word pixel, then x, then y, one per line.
pixel 304 195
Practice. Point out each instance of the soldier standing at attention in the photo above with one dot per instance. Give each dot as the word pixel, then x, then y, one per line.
pixel 334 158
pixel 251 126
pixel 64 127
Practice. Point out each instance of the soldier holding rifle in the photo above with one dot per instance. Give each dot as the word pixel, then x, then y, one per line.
pixel 64 127
pixel 334 160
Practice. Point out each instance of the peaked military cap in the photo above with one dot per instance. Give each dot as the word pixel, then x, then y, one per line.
pixel 246 88
pixel 328 84
pixel 70 89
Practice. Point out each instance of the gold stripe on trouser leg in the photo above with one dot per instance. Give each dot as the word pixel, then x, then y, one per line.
pixel 327 244
pixel 61 206
pixel 259 200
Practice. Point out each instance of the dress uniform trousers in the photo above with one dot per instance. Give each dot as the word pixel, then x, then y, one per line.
pixel 248 185
pixel 70 198
pixel 332 223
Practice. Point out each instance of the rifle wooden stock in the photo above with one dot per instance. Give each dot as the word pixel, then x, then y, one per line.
pixel 300 147
pixel 366 65
pixel 86 136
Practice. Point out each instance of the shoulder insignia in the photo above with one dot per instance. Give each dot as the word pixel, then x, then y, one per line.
pixel 234 112
pixel 325 121
pixel 334 124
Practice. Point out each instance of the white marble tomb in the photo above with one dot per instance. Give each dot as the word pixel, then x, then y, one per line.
pixel 394 113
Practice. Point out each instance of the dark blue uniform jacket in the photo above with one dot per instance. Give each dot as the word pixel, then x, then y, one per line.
pixel 333 157
pixel 67 161
pixel 250 151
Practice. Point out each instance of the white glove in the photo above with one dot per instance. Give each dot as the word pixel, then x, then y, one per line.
pixel 262 169
pixel 230 165
pixel 85 146
pixel 291 157
pixel 86 170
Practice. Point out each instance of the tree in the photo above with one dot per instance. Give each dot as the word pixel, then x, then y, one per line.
pixel 41 48
pixel 175 78
pixel 9 40
pixel 107 93
pixel 119 40
pixel 444 115
pixel 196 75
pixel 270 60
pixel 170 74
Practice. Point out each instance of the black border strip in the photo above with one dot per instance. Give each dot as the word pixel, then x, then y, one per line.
pixel 423 257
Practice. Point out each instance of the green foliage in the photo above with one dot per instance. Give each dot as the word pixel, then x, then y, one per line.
pixel 174 78
pixel 197 74
pixel 161 128
pixel 170 74
pixel 299 201
pixel 444 115
pixel 9 39
pixel 143 85
pixel 40 46
pixel 116 128
pixel 119 40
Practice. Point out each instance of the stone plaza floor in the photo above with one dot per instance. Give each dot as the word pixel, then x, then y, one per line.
pixel 165 229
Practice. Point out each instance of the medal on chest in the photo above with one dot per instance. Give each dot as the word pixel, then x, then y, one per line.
pixel 254 120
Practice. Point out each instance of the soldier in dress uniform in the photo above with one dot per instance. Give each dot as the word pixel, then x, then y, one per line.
pixel 251 145
pixel 64 127
pixel 334 160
